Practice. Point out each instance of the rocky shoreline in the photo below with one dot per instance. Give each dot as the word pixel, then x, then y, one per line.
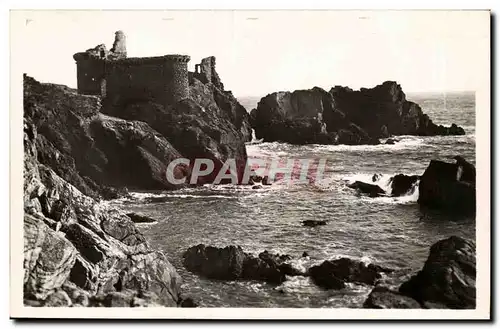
pixel 447 279
pixel 80 150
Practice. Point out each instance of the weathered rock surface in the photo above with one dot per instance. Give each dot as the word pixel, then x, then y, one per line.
pixel 371 190
pixel 382 298
pixel 232 263
pixel 403 184
pixel 342 116
pixel 78 251
pixel 450 187
pixel 332 274
pixel 48 258
pixel 448 277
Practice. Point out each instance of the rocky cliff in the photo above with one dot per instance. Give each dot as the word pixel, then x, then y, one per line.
pixel 342 116
pixel 78 252
pixel 102 149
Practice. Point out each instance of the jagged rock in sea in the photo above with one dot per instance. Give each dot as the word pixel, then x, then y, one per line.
pixel 232 263
pixel 215 263
pixel 272 268
pixel 137 218
pixel 448 277
pixel 384 298
pixel 450 187
pixel 333 274
pixel 371 190
pixel 313 222
pixel 402 184
pixel 78 252
pixel 342 116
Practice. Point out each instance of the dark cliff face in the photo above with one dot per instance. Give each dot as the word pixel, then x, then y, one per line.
pixel 90 150
pixel 78 252
pixel 101 148
pixel 342 116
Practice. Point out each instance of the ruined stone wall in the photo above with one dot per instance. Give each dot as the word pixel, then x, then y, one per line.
pixel 90 75
pixel 206 73
pixel 161 79
pixel 178 87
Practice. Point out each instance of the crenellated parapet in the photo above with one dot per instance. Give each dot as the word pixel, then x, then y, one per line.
pixel 151 60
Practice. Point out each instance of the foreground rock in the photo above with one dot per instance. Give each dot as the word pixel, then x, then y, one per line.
pixel 448 277
pixel 450 187
pixel 81 253
pixel 342 116
pixel 403 184
pixel 333 274
pixel 384 298
pixel 232 263
pixel 371 190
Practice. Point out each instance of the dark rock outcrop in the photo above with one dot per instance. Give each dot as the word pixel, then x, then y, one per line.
pixel 332 274
pixel 450 187
pixel 384 111
pixel 403 184
pixel 93 151
pixel 136 218
pixel 215 263
pixel 342 116
pixel 383 298
pixel 370 189
pixel 448 277
pixel 313 223
pixel 232 263
pixel 101 149
pixel 78 252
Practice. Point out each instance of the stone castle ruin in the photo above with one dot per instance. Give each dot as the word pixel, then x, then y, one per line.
pixel 121 79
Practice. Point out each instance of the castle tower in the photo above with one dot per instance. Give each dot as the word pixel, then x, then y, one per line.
pixel 90 70
pixel 119 45
pixel 178 86
pixel 123 80
pixel 162 79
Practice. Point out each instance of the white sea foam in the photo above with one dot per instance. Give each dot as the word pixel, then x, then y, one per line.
pixel 294 284
pixel 384 181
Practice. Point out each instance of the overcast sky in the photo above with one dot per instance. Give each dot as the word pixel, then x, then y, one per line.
pixel 261 52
